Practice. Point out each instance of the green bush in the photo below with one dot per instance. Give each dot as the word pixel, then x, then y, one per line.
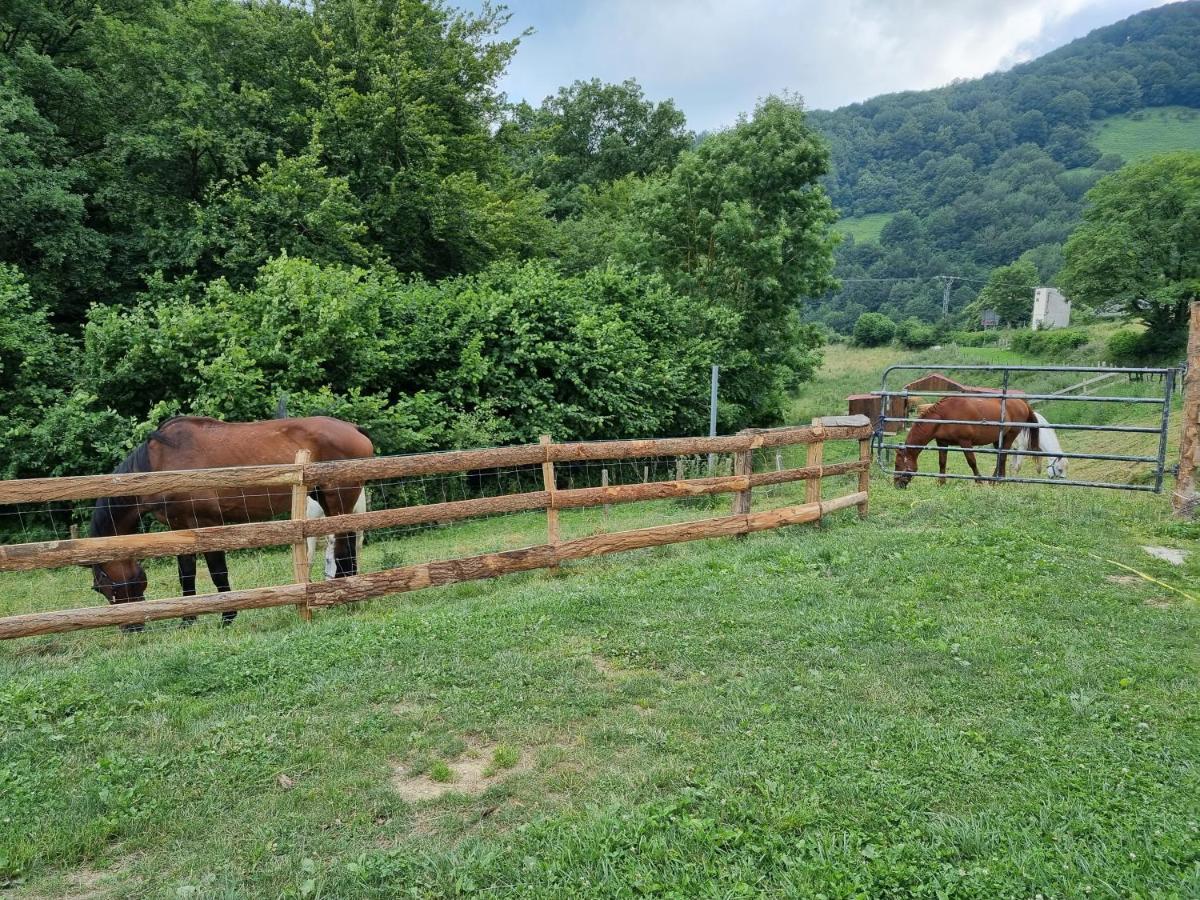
pixel 915 334
pixel 976 338
pixel 873 330
pixel 1048 343
pixel 1124 347
pixel 503 356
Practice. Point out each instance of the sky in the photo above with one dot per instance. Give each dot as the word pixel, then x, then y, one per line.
pixel 716 58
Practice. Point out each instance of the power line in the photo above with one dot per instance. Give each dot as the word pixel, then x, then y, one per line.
pixel 915 278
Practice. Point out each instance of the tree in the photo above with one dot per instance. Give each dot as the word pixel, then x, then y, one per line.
pixel 291 206
pixel 590 134
pixel 1139 244
pixel 742 222
pixel 874 330
pixel 1009 291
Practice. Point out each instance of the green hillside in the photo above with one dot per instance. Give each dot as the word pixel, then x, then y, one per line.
pixel 1147 132
pixel 990 169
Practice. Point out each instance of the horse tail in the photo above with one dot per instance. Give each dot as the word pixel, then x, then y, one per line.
pixel 1034 442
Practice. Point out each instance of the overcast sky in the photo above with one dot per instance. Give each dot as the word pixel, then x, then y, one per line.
pixel 716 57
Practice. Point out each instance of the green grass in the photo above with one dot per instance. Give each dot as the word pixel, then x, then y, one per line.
pixel 1148 132
pixel 864 228
pixel 951 698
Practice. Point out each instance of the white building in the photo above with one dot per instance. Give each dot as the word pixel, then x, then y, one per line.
pixel 1050 309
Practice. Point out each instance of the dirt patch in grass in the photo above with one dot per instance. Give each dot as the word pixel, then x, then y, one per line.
pixel 471 773
pixel 1124 580
pixel 84 883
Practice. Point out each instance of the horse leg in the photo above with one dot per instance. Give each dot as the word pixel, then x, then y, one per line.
pixel 942 460
pixel 967 446
pixel 187 582
pixel 336 502
pixel 345 555
pixel 218 570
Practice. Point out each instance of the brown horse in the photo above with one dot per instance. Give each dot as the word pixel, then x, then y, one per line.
pixel 929 427
pixel 194 442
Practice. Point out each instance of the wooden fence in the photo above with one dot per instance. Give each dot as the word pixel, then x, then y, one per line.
pixel 302 475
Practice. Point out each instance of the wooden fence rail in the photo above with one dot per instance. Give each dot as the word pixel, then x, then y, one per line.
pixel 302 475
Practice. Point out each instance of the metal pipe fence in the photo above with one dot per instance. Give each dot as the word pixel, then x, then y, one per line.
pixel 1005 425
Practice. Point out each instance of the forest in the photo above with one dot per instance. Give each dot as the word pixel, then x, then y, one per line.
pixel 983 173
pixel 207 205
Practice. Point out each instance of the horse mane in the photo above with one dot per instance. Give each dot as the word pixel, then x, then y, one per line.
pixel 109 509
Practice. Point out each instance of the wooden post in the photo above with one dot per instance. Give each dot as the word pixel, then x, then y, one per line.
pixel 816 457
pixel 1185 500
pixel 300 561
pixel 679 468
pixel 864 475
pixel 548 482
pixel 743 465
pixel 604 484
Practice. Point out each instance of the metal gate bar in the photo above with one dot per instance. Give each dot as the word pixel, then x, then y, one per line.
pixel 1111 457
pixel 1083 398
pixel 1167 376
pixel 1136 429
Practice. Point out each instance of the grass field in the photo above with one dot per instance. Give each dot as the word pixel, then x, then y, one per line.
pixel 963 696
pixel 864 228
pixel 1148 132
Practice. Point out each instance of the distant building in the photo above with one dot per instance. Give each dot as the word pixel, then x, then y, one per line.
pixel 989 319
pixel 1050 309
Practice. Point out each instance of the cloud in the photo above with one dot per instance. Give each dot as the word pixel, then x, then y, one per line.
pixel 717 57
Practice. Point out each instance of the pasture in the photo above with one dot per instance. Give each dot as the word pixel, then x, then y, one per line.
pixel 864 229
pixel 964 695
pixel 1145 133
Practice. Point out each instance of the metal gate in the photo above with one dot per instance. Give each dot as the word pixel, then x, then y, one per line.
pixel 899 400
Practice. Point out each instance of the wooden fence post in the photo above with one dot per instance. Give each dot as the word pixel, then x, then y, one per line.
pixel 300 561
pixel 864 475
pixel 743 465
pixel 604 484
pixel 550 487
pixel 1184 499
pixel 816 457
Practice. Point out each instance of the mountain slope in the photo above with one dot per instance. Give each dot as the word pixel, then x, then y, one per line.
pixel 979 172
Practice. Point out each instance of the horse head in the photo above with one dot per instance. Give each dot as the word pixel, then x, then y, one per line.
pixel 906 464
pixel 119 581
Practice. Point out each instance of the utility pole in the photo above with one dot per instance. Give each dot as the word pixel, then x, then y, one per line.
pixel 947 283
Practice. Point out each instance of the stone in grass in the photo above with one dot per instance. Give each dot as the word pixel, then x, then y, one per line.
pixel 1167 554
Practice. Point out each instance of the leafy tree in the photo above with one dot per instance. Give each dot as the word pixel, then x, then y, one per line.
pixel 1009 291
pixel 1139 244
pixel 915 334
pixel 291 206
pixel 46 426
pixel 874 330
pixel 590 134
pixel 741 222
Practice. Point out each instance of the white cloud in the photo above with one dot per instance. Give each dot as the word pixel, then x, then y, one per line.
pixel 716 58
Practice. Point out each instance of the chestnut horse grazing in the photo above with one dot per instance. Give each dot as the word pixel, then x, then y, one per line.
pixel 194 442
pixel 930 427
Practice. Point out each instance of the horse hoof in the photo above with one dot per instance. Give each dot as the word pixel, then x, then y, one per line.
pixel 133 628
pixel 227 619
pixel 187 621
